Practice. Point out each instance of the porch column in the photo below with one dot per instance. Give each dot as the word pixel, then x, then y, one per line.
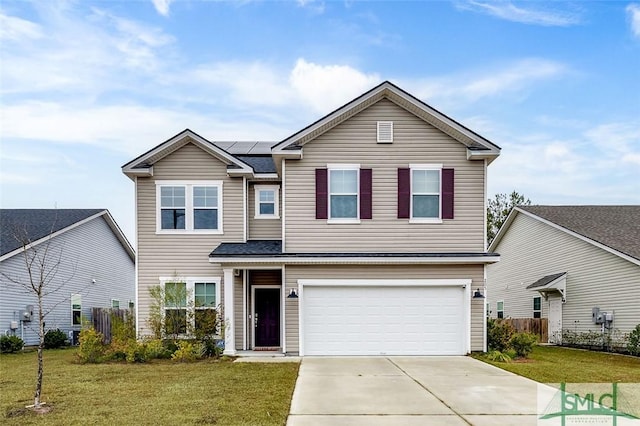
pixel 229 338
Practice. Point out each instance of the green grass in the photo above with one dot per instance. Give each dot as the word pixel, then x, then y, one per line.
pixel 157 393
pixel 550 364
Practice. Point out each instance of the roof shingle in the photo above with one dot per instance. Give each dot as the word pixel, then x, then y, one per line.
pixel 617 227
pixel 36 224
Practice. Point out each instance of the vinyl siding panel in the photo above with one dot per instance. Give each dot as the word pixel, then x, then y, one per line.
pixel 297 272
pixel 238 311
pixel 531 249
pixel 184 255
pixel 263 229
pixel 354 141
pixel 89 251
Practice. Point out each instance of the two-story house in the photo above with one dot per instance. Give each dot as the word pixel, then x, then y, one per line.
pixel 361 234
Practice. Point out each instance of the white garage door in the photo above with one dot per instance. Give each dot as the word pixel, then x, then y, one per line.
pixel 378 320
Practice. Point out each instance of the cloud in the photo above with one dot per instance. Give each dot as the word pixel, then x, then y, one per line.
pixel 316 6
pixel 16 29
pixel 326 87
pixel 129 129
pixel 599 159
pixel 508 11
pixel 473 87
pixel 162 6
pixel 633 13
pixel 84 52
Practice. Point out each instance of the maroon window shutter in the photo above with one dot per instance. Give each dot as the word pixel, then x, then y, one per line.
pixel 404 193
pixel 365 194
pixel 321 194
pixel 447 193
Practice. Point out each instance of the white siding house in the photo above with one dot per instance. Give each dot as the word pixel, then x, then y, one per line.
pixel 91 264
pixel 572 259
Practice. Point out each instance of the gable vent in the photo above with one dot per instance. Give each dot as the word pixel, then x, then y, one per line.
pixel 385 131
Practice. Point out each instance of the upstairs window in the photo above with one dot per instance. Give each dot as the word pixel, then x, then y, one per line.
pixel 343 193
pixel 266 202
pixel 189 206
pixel 425 193
pixel 173 205
pixel 537 307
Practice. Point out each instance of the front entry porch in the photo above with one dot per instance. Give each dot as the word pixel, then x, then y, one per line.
pixel 253 312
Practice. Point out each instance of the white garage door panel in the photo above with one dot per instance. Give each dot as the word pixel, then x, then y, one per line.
pixel 383 320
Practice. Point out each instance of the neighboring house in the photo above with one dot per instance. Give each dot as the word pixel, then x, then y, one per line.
pixel 560 262
pixel 361 234
pixel 90 264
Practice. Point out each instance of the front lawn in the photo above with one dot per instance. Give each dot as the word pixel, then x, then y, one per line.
pixel 160 392
pixel 550 364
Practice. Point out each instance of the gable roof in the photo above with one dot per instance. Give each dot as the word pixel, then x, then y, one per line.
pixel 39 224
pixel 613 228
pixel 477 146
pixel 143 164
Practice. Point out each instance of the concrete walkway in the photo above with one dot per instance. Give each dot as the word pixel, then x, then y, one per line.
pixel 410 391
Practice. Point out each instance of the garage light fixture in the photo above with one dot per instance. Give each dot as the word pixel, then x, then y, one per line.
pixel 292 294
pixel 478 294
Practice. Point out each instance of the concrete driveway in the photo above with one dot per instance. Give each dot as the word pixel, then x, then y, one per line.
pixel 409 391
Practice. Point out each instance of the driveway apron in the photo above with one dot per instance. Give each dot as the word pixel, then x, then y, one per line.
pixel 409 391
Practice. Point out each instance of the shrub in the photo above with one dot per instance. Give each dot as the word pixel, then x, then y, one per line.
pixel 633 344
pixel 54 339
pixel 498 356
pixel 156 349
pixel 11 344
pixel 212 348
pixel 188 351
pixel 498 335
pixel 523 343
pixel 136 352
pixel 91 349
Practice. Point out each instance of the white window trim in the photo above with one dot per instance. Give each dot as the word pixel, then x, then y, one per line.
pixel 189 208
pixel 500 301
pixel 343 220
pixel 534 309
pixel 79 296
pixel 412 219
pixel 191 290
pixel 276 197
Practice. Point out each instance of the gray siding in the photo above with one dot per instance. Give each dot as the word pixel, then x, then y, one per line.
pixel 183 255
pixel 89 251
pixel 263 229
pixel 531 249
pixel 354 141
pixel 295 273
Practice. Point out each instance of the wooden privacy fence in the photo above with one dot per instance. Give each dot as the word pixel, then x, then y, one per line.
pixel 101 318
pixel 537 326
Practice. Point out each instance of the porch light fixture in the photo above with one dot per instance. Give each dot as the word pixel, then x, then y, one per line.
pixel 478 294
pixel 292 294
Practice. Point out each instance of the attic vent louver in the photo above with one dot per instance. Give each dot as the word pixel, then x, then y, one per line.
pixel 385 131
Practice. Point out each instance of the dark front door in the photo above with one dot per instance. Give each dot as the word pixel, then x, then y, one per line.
pixel 267 317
